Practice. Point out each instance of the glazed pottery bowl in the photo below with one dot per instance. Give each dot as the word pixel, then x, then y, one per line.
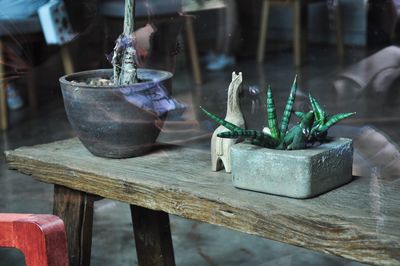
pixel 116 121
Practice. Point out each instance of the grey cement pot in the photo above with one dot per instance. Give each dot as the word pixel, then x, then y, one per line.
pixel 297 174
pixel 116 121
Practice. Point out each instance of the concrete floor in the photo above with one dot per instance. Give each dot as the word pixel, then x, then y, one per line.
pixel 198 243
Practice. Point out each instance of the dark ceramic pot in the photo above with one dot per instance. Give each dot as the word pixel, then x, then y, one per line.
pixel 116 121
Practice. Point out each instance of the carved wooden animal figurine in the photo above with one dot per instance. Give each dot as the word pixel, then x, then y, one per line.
pixel 220 147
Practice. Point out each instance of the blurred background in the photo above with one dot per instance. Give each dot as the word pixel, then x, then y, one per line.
pixel 344 51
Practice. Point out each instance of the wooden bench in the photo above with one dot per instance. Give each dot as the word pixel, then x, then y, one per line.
pixel 359 221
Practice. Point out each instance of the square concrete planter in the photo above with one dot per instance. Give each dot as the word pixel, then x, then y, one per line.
pixel 297 174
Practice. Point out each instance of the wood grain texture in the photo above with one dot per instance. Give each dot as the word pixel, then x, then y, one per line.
pixel 358 221
pixel 152 237
pixel 40 237
pixel 76 210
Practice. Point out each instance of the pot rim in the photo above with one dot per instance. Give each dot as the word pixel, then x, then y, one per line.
pixel 299 152
pixel 66 79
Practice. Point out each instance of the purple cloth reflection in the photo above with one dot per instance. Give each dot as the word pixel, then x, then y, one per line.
pixel 154 99
pixel 125 41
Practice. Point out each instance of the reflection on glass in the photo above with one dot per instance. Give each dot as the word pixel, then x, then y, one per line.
pixel 345 52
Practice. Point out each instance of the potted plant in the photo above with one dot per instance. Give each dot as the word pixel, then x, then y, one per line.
pixel 301 162
pixel 118 112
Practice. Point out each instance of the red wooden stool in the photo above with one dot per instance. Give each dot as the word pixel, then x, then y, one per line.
pixel 41 238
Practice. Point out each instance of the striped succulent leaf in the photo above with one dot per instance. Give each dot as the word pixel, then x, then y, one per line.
pixel 307 121
pixel 319 113
pixel 271 114
pixel 244 133
pixel 288 109
pixel 257 137
pixel 221 121
pixel 333 120
pixel 299 114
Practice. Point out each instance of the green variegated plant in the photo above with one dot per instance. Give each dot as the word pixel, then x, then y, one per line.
pixel 322 121
pixel 313 125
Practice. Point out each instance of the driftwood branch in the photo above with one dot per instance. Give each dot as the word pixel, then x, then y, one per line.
pixel 124 58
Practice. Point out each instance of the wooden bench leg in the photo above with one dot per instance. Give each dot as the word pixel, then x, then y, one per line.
pixel 32 91
pixel 66 59
pixel 152 237
pixel 339 30
pixel 299 31
pixel 3 92
pixel 263 31
pixel 194 57
pixel 75 208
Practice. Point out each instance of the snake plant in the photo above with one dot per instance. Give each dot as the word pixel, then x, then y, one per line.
pixel 323 121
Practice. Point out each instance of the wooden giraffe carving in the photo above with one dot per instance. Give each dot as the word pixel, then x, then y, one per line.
pixel 220 147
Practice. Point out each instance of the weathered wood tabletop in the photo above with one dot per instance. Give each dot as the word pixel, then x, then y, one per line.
pixel 359 221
